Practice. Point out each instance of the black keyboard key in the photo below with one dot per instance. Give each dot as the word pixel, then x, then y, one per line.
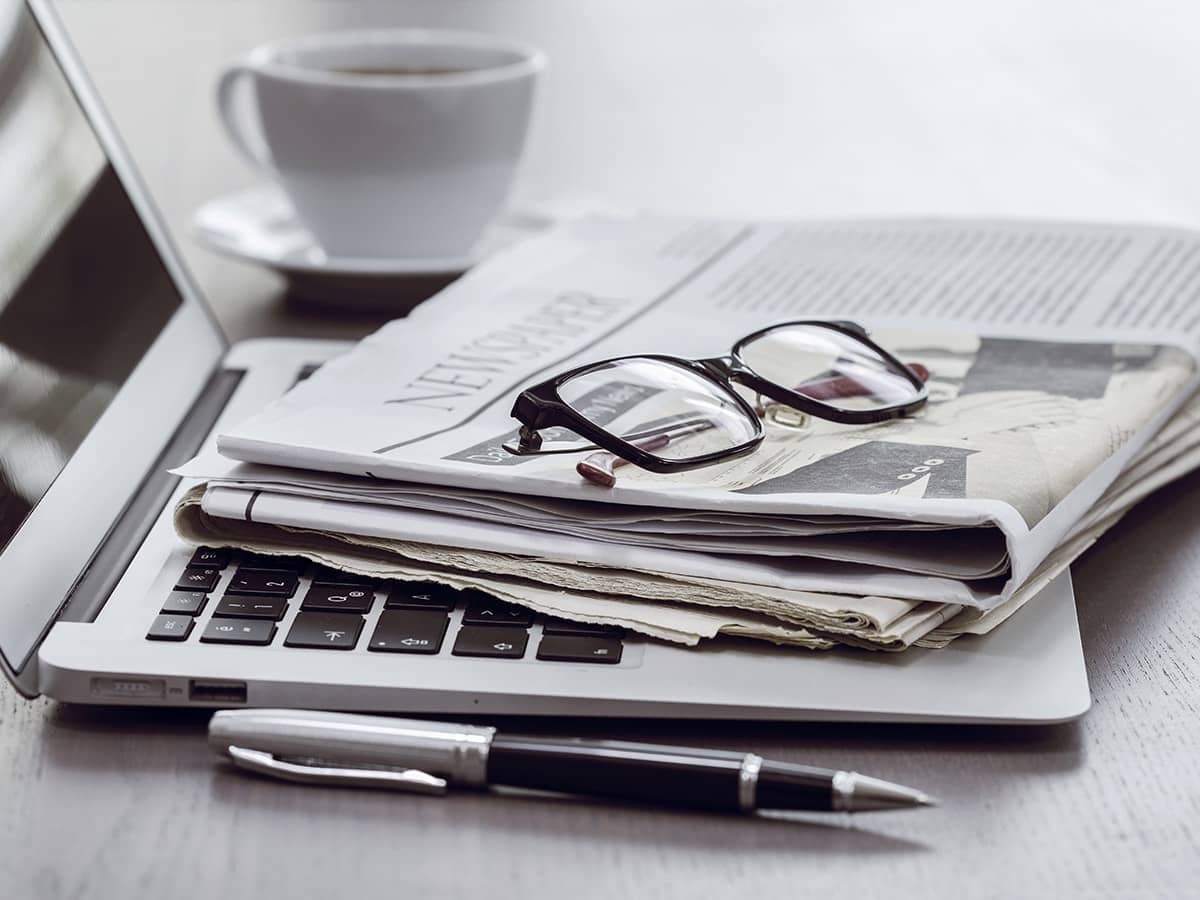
pixel 422 595
pixel 484 609
pixel 491 640
pixel 184 603
pixel 170 628
pixel 339 598
pixel 579 648
pixel 324 575
pixel 198 578
pixel 295 564
pixel 562 626
pixel 263 582
pixel 239 631
pixel 409 631
pixel 271 608
pixel 326 631
pixel 211 557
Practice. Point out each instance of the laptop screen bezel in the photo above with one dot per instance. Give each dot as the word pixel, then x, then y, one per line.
pixel 55 543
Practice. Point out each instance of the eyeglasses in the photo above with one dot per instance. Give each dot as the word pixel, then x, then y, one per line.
pixel 669 414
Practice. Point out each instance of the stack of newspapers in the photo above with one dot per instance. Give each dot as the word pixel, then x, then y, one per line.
pixel 1061 361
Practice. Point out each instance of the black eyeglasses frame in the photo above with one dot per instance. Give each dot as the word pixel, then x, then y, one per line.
pixel 541 406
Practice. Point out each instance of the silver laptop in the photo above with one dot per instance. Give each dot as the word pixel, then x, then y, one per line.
pixel 113 371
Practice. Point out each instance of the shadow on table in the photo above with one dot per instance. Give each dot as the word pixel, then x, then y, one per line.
pixel 379 298
pixel 126 721
pixel 163 749
pixel 1140 575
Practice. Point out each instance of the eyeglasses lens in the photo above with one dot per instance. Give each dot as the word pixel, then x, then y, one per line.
pixel 665 409
pixel 829 366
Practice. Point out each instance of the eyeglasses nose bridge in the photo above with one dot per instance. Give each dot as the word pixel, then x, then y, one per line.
pixel 719 367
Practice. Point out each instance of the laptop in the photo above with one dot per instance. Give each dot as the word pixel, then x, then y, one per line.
pixel 113 371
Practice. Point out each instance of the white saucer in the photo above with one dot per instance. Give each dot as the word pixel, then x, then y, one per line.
pixel 259 225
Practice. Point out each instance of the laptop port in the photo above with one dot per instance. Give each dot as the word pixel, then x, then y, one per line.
pixel 202 690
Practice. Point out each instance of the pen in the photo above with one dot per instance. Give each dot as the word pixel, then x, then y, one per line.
pixel 426 757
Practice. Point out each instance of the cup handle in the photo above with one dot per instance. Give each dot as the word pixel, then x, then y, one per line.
pixel 252 147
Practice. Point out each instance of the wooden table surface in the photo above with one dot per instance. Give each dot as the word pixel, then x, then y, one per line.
pixel 861 108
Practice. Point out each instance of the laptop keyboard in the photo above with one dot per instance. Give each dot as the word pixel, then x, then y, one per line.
pixel 415 618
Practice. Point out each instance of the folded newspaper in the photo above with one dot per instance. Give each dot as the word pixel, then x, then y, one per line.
pixel 1061 361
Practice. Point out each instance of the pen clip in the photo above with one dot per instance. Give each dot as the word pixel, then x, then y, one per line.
pixel 319 772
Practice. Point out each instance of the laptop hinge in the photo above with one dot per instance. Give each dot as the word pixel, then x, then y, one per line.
pixel 107 565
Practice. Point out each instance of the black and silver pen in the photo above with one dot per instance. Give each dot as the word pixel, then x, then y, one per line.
pixel 427 757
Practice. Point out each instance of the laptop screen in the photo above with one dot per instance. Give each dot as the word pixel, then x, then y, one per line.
pixel 83 292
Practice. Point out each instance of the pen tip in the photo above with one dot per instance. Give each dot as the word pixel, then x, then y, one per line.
pixel 861 793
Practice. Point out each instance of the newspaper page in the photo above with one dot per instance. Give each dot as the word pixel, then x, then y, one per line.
pixel 1055 353
pixel 688 611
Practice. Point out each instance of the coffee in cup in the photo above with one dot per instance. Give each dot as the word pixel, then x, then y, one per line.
pixel 389 143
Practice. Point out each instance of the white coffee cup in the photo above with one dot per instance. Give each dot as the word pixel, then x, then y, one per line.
pixel 391 144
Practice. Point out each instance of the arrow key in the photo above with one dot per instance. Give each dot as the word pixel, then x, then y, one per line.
pixel 484 609
pixel 491 640
pixel 409 631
